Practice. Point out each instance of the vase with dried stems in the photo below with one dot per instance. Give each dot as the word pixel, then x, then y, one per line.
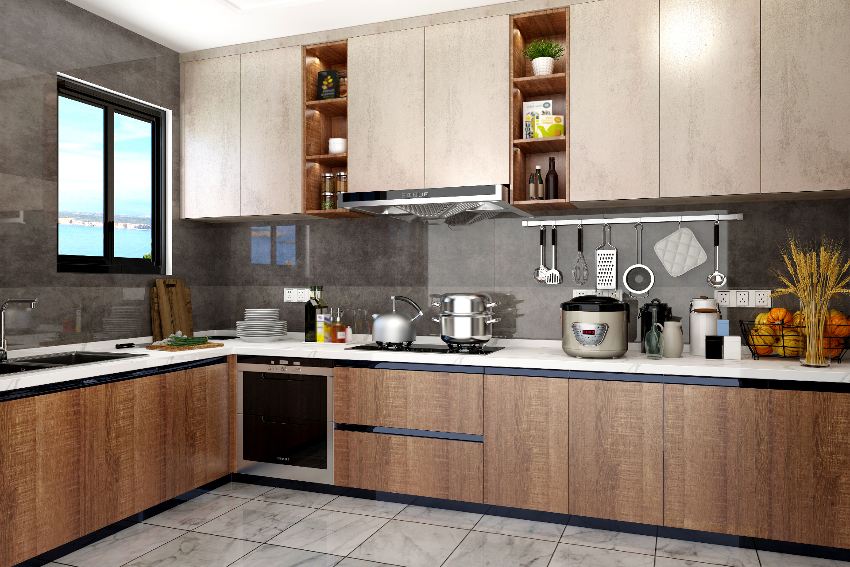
pixel 815 274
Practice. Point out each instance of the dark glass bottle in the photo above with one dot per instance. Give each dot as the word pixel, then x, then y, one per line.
pixel 313 307
pixel 551 181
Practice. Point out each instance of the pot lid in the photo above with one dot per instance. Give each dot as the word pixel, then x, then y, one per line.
pixel 594 303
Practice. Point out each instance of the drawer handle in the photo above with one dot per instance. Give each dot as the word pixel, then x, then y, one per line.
pixel 264 419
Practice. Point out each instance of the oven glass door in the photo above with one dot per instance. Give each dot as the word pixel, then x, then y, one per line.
pixel 285 419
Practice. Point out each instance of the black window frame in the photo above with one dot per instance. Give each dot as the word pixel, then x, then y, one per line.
pixel 112 103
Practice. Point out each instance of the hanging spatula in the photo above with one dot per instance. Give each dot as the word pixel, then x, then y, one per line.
pixel 553 276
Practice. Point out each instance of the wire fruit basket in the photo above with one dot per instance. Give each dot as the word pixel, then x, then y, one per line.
pixel 782 340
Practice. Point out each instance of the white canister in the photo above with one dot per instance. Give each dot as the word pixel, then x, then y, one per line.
pixel 337 145
pixel 704 316
pixel 672 340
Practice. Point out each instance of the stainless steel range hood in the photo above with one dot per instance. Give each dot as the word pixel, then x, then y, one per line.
pixel 451 205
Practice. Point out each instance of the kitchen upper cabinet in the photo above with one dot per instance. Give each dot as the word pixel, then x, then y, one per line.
pixel 211 139
pixel 614 97
pixel 709 97
pixel 271 132
pixel 467 103
pixel 805 91
pixel 386 117
pixel 616 450
pixel 765 463
pixel 526 436
pixel 197 421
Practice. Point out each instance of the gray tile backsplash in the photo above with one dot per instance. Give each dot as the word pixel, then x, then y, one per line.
pixel 360 262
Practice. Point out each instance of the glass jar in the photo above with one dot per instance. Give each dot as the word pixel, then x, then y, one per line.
pixel 341 182
pixel 328 201
pixel 343 84
pixel 328 184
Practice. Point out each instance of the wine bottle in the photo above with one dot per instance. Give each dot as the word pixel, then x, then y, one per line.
pixel 532 187
pixel 551 181
pixel 538 179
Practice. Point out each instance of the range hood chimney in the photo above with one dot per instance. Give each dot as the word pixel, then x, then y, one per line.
pixel 454 206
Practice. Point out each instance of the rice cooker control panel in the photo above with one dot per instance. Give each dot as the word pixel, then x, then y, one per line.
pixel 590 334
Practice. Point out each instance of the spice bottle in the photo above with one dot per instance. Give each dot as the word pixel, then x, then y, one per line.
pixel 328 201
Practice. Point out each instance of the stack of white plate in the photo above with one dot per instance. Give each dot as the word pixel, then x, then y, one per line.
pixel 261 325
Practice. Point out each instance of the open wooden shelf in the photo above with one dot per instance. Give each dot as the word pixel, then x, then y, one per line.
pixel 542 145
pixel 527 154
pixel 541 205
pixel 334 214
pixel 553 84
pixel 332 160
pixel 323 119
pixel 330 106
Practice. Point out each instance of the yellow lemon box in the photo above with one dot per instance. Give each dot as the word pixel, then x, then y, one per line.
pixel 548 126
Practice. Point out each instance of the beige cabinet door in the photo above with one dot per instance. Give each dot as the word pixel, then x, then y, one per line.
pixel 614 100
pixel 709 97
pixel 210 138
pixel 467 103
pixel 272 117
pixel 805 92
pixel 386 98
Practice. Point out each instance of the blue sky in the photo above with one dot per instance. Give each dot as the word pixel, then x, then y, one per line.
pixel 81 161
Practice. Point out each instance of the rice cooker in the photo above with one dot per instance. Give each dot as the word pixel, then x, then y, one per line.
pixel 594 327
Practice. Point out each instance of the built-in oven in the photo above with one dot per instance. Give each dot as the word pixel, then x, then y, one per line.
pixel 285 418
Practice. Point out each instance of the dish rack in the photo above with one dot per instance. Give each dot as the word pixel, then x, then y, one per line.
pixel 758 340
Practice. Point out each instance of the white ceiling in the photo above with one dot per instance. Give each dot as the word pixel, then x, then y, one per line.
pixel 189 25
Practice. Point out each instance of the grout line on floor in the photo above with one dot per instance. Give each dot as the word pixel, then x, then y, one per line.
pixel 150 550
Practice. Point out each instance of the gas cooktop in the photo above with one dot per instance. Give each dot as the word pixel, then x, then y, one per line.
pixel 439 349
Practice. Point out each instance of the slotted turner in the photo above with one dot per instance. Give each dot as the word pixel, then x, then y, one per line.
pixel 553 276
pixel 606 261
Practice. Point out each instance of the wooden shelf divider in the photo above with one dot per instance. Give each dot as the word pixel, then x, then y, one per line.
pixel 331 160
pixel 330 106
pixel 542 145
pixel 556 83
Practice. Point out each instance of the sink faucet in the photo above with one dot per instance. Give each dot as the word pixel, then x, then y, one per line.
pixel 3 352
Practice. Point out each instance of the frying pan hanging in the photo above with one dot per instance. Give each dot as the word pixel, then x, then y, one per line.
pixel 638 279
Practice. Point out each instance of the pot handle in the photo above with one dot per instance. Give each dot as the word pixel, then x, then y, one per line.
pixel 435 319
pixel 409 302
pixel 491 305
pixel 492 320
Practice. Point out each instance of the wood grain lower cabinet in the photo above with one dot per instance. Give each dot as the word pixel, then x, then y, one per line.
pixel 525 442
pixel 39 474
pixel 123 469
pixel 616 460
pixel 764 463
pixel 197 442
pixel 437 468
pixel 434 401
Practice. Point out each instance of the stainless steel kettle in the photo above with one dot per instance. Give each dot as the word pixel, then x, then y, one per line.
pixel 394 328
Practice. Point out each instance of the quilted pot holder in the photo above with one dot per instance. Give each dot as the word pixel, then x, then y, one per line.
pixel 680 252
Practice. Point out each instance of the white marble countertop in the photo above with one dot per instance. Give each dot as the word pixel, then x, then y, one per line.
pixel 517 353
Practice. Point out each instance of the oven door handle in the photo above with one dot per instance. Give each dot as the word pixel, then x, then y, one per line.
pixel 272 422
pixel 280 377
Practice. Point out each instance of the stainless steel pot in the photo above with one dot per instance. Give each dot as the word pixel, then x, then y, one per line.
pixel 465 318
pixel 394 328
pixel 466 329
pixel 464 303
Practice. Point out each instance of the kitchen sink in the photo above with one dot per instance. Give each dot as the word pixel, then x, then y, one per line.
pixel 58 360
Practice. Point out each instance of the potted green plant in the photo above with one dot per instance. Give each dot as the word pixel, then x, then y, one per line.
pixel 543 53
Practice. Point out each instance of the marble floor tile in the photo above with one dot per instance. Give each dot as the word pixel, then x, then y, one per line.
pixel 298 497
pixel 275 556
pixel 439 517
pixel 257 520
pixel 124 546
pixel 377 508
pixel 196 550
pixel 410 545
pixel 618 541
pixel 482 549
pixel 352 562
pixel 520 528
pixel 770 559
pixel 580 556
pixel 670 562
pixel 196 512
pixel 707 553
pixel 241 490
pixel 326 531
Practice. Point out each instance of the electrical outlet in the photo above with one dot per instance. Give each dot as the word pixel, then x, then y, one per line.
pixel 580 292
pixel 725 298
pixel 742 298
pixel 761 298
pixel 295 294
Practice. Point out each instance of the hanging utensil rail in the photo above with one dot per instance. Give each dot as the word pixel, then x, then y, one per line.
pixel 634 220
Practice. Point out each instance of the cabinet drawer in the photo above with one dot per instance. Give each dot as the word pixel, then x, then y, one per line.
pixel 433 401
pixel 437 468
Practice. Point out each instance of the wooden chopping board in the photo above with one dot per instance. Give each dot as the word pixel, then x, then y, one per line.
pixel 171 308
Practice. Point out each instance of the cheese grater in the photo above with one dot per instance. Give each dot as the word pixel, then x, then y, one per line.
pixel 606 261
